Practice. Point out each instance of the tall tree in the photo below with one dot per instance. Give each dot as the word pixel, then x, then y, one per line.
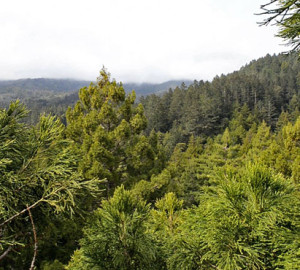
pixel 107 129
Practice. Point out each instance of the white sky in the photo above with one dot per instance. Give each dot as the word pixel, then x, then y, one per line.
pixel 136 40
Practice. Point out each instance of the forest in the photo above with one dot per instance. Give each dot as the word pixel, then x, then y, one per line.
pixel 54 96
pixel 202 176
pixel 199 177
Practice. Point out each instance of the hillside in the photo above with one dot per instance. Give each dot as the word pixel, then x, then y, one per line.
pixel 266 87
pixel 55 95
pixel 41 84
pixel 27 88
pixel 218 180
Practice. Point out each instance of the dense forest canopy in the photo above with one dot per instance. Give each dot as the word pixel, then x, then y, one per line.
pixel 203 176
pixel 212 182
pixel 266 86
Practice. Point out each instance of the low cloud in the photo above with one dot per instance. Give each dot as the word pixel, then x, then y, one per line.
pixel 136 40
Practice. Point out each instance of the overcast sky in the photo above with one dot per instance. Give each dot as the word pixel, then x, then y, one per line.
pixel 136 40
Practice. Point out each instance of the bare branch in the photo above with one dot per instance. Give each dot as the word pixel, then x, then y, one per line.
pixel 22 212
pixel 35 240
pixel 5 252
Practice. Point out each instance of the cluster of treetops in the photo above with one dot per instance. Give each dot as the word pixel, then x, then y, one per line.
pixel 200 177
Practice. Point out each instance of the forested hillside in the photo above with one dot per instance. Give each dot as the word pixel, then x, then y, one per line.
pixel 200 177
pixel 41 84
pixel 55 95
pixel 266 87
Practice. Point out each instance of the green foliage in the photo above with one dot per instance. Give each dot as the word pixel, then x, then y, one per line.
pixel 166 216
pixel 80 262
pixel 164 221
pixel 55 265
pixel 107 129
pixel 228 199
pixel 259 91
pixel 38 171
pixel 240 224
pixel 280 152
pixel 117 237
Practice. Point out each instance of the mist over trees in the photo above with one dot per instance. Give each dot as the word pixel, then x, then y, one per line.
pixel 202 176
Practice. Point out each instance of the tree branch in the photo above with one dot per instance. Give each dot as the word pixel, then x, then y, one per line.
pixel 5 252
pixel 35 240
pixel 281 12
pixel 20 213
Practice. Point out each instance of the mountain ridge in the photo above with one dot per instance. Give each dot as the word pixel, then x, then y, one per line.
pixel 68 85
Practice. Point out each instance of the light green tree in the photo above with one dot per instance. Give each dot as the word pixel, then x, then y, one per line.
pixel 117 236
pixel 38 177
pixel 245 221
pixel 107 129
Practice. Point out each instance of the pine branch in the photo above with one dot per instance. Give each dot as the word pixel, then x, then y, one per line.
pixel 281 12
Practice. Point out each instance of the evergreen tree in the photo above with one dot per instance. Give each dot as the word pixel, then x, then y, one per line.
pixel 38 175
pixel 107 129
pixel 244 222
pixel 117 237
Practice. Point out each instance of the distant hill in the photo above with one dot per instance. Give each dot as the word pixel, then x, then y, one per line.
pixel 68 85
pixel 55 95
pixel 65 91
pixel 42 84
pixel 144 89
pixel 41 89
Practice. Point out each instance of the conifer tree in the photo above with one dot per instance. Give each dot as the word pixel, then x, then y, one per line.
pixel 117 237
pixel 38 176
pixel 107 129
pixel 245 221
